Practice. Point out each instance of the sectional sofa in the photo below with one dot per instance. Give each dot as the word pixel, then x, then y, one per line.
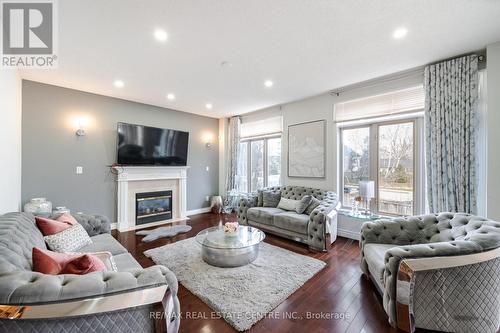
pixel 131 299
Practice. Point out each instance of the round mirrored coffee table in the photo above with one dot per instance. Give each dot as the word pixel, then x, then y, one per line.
pixel 223 250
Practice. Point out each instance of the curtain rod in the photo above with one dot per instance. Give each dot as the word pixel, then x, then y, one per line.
pixel 417 71
pixel 405 74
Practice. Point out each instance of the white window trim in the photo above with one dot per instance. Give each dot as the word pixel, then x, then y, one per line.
pixel 249 141
pixel 418 157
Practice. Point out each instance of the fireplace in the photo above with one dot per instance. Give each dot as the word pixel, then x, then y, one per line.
pixel 153 207
pixel 144 179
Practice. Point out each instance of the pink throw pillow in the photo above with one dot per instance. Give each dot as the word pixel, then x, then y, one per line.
pixel 85 264
pixel 67 218
pixel 51 227
pixel 54 263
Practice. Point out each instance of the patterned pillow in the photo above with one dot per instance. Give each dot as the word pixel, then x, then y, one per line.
pixel 288 204
pixel 271 198
pixel 68 240
pixel 303 204
pixel 314 203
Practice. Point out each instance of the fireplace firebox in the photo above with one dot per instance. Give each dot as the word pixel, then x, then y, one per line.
pixel 153 207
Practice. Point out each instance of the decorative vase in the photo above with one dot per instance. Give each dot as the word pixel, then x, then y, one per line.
pixel 216 204
pixel 39 207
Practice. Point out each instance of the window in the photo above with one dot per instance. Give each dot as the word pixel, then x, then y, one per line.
pixel 356 160
pixel 259 163
pixel 273 162
pixel 395 168
pixel 380 141
pixel 242 173
pixel 383 152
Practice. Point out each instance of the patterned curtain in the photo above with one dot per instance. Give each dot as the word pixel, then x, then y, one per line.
pixel 233 147
pixel 451 89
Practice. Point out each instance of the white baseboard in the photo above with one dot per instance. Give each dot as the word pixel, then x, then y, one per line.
pixel 198 211
pixel 348 234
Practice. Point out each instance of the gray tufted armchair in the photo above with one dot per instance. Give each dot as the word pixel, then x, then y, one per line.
pixel 438 272
pixel 310 229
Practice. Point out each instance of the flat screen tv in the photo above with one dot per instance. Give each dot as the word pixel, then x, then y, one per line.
pixel 143 145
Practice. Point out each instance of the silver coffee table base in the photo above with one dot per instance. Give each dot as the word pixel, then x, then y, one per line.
pixel 230 250
pixel 229 257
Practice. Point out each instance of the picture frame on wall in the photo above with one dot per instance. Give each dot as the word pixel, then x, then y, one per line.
pixel 307 149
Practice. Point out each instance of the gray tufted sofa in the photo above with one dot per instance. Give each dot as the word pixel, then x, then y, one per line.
pixel 310 229
pixel 132 299
pixel 437 272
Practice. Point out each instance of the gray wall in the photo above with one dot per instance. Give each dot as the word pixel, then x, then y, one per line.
pixel 51 150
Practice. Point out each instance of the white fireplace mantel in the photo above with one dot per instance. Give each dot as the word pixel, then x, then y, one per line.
pixel 149 178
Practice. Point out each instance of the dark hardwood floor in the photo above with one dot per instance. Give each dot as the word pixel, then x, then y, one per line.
pixel 338 289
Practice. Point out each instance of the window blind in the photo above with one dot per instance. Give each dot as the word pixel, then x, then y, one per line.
pixel 261 127
pixel 393 103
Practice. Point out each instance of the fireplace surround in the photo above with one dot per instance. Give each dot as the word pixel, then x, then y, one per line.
pixel 133 180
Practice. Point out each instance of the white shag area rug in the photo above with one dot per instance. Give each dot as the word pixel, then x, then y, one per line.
pixel 241 295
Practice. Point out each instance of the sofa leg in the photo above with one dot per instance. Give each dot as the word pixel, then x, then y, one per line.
pixel 404 321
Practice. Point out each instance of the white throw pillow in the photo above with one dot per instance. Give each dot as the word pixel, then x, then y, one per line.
pixel 288 204
pixel 68 240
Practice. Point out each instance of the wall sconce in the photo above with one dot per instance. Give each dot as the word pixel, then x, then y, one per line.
pixel 81 130
pixel 208 138
pixel 81 124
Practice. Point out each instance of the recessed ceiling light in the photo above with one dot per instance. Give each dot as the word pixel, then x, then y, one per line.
pixel 171 97
pixel 268 83
pixel 400 33
pixel 161 35
pixel 209 106
pixel 118 83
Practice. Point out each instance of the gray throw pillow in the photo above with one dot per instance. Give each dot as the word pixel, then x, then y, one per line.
pixel 288 204
pixel 303 204
pixel 260 199
pixel 314 203
pixel 270 198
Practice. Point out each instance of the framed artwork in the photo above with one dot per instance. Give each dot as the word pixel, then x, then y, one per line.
pixel 307 149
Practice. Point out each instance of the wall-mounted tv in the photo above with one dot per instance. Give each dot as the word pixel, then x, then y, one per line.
pixel 144 145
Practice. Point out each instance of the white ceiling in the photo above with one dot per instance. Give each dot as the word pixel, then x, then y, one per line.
pixel 306 47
